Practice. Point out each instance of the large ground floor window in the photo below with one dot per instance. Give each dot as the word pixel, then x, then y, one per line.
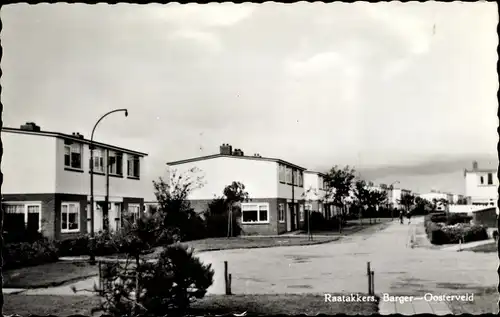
pixel 134 212
pixel 252 213
pixel 22 215
pixel 70 217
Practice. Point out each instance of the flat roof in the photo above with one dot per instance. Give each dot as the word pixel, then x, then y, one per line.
pixel 241 157
pixel 72 138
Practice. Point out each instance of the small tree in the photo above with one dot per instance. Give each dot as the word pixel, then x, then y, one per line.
pixel 307 195
pixel 173 204
pixel 339 183
pixel 361 197
pixel 407 200
pixel 234 194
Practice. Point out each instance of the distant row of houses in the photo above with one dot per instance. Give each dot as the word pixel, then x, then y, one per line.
pixel 46 178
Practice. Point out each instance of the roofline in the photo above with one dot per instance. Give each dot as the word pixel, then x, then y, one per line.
pixel 209 157
pixel 481 170
pixel 314 172
pixel 73 138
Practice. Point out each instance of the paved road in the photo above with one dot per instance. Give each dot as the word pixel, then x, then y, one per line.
pixel 341 266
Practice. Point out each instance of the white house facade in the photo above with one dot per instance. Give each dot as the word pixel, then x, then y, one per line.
pixel 481 186
pixel 275 188
pixel 47 177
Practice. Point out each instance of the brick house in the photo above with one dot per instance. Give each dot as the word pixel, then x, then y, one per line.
pixel 47 178
pixel 275 188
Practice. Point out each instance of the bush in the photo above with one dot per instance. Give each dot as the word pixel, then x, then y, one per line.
pixel 216 226
pixel 441 233
pixel 164 287
pixel 456 218
pixel 23 254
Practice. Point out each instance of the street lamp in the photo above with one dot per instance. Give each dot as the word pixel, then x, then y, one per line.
pixel 392 193
pixel 92 238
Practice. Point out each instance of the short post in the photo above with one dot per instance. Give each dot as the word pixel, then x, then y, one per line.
pixel 373 283
pixel 368 272
pixel 229 286
pixel 226 279
pixel 460 244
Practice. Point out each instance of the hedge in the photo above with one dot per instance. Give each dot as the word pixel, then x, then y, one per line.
pixel 441 229
pixel 22 254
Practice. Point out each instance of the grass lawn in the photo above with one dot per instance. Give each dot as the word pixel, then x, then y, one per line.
pixel 213 244
pixel 215 304
pixel 48 275
pixel 355 226
pixel 487 248
pixel 485 302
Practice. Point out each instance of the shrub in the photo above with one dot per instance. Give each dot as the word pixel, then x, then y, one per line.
pixel 163 287
pixel 439 233
pixel 216 226
pixel 23 254
pixel 78 245
pixel 456 218
pixel 495 235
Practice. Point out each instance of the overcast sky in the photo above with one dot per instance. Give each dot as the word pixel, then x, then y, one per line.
pixel 311 83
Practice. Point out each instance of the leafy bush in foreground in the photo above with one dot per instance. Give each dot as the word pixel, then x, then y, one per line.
pixel 23 254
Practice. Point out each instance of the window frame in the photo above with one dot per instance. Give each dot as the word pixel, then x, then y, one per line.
pixel 100 154
pixel 302 213
pixel 288 175
pixel 78 216
pixel 281 213
pixel 258 205
pixel 282 172
pixel 115 155
pixel 137 213
pixel 133 159
pixel 68 144
pixel 25 205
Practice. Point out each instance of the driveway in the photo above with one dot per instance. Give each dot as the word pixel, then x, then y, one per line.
pixel 341 266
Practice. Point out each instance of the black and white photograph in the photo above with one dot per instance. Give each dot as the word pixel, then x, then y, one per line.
pixel 249 159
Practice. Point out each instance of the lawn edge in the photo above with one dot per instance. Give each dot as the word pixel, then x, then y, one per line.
pixel 53 284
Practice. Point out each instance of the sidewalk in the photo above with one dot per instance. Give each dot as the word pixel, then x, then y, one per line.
pixel 465 246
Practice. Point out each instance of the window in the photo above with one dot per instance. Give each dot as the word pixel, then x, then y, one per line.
pixel 98 160
pixel 321 182
pixel 288 175
pixel 282 173
pixel 23 214
pixel 255 213
pixel 297 180
pixel 481 180
pixel 133 166
pixel 134 211
pixel 281 212
pixel 301 213
pixel 490 178
pixel 116 163
pixel 73 155
pixel 70 217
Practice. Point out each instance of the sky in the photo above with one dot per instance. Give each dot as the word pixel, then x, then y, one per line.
pixel 375 86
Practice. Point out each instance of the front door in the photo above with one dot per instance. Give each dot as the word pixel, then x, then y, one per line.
pixel 288 218
pixel 293 217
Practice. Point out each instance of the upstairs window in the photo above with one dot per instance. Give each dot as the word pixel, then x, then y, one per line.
pixel 295 177
pixel 288 175
pixel 73 154
pixel 116 163
pixel 301 178
pixel 282 172
pixel 481 180
pixel 133 166
pixel 98 160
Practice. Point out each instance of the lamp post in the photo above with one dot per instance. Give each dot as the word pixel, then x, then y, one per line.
pixel 92 237
pixel 391 186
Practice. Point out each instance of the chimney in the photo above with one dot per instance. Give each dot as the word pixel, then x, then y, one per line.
pixel 226 149
pixel 238 152
pixel 30 126
pixel 257 155
pixel 78 135
pixel 474 166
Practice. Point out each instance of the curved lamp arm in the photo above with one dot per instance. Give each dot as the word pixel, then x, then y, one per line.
pixel 95 126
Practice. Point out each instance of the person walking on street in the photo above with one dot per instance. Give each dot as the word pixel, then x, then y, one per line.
pixel 409 217
pixel 401 216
